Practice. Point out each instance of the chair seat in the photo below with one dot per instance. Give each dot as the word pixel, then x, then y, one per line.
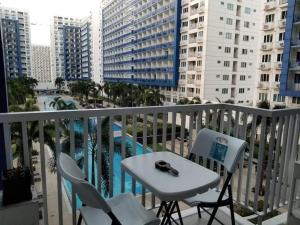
pixel 125 208
pixel 210 196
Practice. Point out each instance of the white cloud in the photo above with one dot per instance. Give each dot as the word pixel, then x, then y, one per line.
pixel 41 12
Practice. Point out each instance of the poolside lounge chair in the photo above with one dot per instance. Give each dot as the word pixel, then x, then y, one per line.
pixel 122 209
pixel 225 150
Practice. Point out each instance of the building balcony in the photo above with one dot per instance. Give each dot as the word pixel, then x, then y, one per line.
pixel 182 69
pixel 193 26
pixel 192 54
pixel 201 9
pixel 267 46
pixel 280 45
pixel 200 39
pixel 268 26
pixel 278 65
pixel 283 3
pixel 200 25
pixel 279 142
pixel 275 85
pixel 199 54
pixel 183 56
pixel 192 40
pixel 270 6
pixel 295 66
pixel 265 66
pixel 282 24
pixel 293 86
pixel 198 68
pixel 263 85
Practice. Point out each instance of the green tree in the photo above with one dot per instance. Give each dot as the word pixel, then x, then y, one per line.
pixel 59 83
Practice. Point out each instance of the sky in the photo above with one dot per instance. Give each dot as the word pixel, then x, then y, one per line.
pixel 41 12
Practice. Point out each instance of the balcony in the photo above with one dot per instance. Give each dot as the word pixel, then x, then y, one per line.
pixel 265 66
pixel 280 45
pixel 200 25
pixel 266 46
pixel 268 26
pixel 263 85
pixel 273 134
pixel 200 39
pixel 282 24
pixel 192 40
pixel 294 86
pixel 270 6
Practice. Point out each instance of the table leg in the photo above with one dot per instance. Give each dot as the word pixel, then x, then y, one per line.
pixel 167 213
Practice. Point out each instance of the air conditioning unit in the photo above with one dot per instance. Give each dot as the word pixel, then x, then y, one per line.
pixel 264 47
pixel 266 27
pixel 282 44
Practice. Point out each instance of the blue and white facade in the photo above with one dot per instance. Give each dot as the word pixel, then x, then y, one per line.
pixel 16 42
pixel 71 44
pixel 290 77
pixel 141 42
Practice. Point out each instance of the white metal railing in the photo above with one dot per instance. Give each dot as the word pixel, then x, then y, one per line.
pixel 273 138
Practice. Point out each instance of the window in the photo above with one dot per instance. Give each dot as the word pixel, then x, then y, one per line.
pixel 230 6
pixel 226 63
pixel 269 18
pixel 263 96
pixel 227 49
pixel 243 64
pixel 185 10
pixel 264 77
pixel 184 37
pixel 182 89
pixel 268 38
pixel 247 10
pixel 228 35
pixel 283 15
pixel 244 51
pixel 229 21
pixel 296 100
pixel 246 24
pixel 277 78
pixel 245 37
pixel 225 77
pixel 266 58
pixel 197 90
pixel 224 90
pixel 279 57
pixel 297 79
pixel 281 36
pixel 183 64
pixel 183 51
pixel 242 77
pixel 278 98
pixel 241 90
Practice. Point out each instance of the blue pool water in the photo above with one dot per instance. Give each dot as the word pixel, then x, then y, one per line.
pixel 116 166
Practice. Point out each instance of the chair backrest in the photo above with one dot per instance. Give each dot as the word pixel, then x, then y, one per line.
pixel 87 193
pixel 222 148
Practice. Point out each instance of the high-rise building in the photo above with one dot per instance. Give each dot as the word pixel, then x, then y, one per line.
pixel 15 27
pixel 40 61
pixel 71 48
pixel 290 77
pixel 218 51
pixel 141 42
pixel 271 45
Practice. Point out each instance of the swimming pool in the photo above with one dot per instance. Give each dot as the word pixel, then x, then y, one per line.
pixel 116 165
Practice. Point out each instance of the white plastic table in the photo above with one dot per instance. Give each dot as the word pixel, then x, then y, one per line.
pixel 192 178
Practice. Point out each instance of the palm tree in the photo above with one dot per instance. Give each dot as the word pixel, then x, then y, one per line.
pixel 59 104
pixel 59 83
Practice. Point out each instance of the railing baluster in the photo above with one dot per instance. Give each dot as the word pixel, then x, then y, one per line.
pixel 229 118
pixel 59 181
pixel 282 160
pixel 72 153
pixel 86 146
pixel 288 158
pixel 123 151
pixel 99 153
pixel 259 177
pixel 8 150
pixel 145 121
pixel 164 134
pixel 134 126
pixel 294 153
pixel 199 121
pixel 154 149
pixel 43 171
pixel 26 153
pixel 191 129
pixel 241 163
pixel 269 164
pixel 174 114
pixel 182 131
pixel 276 161
pixel 250 159
pixel 111 157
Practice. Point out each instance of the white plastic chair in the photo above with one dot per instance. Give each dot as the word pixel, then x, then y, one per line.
pixel 122 209
pixel 225 150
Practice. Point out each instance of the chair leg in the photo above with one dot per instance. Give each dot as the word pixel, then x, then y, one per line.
pixel 213 215
pixel 199 211
pixel 79 219
pixel 163 203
